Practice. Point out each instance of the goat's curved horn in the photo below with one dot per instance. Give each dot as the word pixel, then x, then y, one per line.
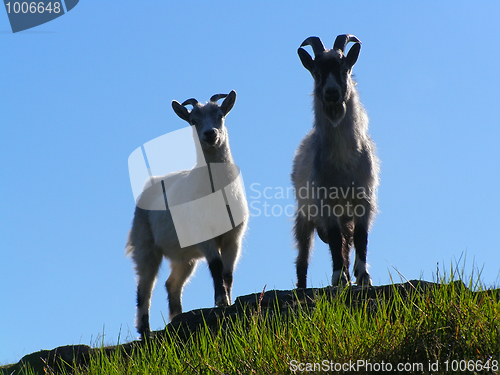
pixel 315 43
pixel 191 101
pixel 216 97
pixel 342 40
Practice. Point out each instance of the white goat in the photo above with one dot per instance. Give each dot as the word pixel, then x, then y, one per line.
pixel 156 234
pixel 335 169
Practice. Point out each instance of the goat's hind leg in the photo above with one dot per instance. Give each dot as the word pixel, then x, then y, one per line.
pixel 340 258
pixel 304 232
pixel 147 262
pixel 180 272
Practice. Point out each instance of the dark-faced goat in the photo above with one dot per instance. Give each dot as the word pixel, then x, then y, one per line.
pixel 335 169
pixel 196 195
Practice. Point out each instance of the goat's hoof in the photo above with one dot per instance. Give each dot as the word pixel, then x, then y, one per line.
pixel 340 279
pixel 146 335
pixel 364 280
pixel 174 310
pixel 222 302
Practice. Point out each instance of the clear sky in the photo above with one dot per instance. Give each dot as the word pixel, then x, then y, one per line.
pixel 80 93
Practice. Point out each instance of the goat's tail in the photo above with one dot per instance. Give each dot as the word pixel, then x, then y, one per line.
pixel 129 248
pixel 347 232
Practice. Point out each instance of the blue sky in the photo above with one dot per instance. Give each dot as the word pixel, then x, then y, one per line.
pixel 80 93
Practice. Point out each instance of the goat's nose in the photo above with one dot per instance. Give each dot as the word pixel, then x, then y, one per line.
pixel 209 136
pixel 332 95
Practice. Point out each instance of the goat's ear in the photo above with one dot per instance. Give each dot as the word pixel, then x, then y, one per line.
pixel 228 103
pixel 306 59
pixel 181 111
pixel 352 55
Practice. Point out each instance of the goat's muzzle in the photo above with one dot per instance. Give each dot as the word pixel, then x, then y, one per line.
pixel 332 96
pixel 210 137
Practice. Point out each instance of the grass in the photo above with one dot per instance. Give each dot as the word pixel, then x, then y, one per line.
pixel 446 329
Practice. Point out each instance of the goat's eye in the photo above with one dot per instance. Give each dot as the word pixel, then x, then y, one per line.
pixel 219 118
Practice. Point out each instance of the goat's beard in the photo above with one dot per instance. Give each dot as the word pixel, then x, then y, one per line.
pixel 218 142
pixel 334 112
pixel 210 146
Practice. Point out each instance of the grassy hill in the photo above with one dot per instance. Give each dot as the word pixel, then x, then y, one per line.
pixel 415 327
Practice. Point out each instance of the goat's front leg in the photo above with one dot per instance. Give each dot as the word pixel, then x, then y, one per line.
pixel 211 253
pixel 230 253
pixel 360 238
pixel 340 276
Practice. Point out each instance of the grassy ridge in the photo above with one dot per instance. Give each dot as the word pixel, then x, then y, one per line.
pixel 447 326
pixel 444 330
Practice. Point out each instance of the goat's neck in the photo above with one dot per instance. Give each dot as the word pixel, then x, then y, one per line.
pixel 342 144
pixel 221 154
pixel 222 161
